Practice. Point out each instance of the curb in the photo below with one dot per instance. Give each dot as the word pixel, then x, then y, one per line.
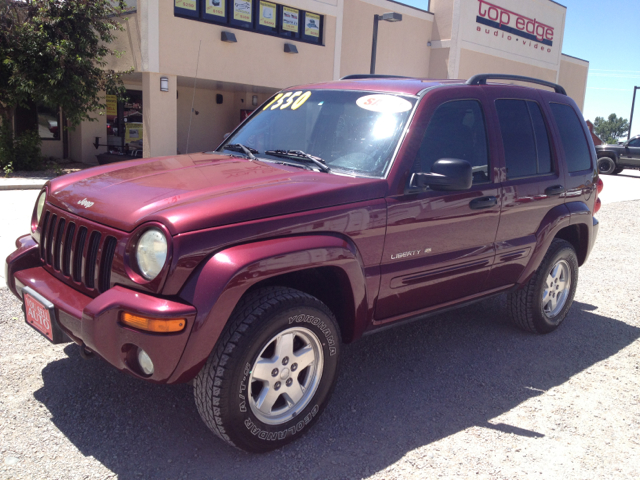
pixel 27 186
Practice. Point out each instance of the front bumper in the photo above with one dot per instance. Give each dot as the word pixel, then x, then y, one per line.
pixel 94 322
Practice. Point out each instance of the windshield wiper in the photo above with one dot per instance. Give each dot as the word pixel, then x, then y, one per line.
pixel 238 147
pixel 320 163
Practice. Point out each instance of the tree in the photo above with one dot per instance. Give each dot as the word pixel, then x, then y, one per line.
pixel 53 53
pixel 612 129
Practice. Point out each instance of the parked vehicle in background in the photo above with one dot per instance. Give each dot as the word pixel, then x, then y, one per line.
pixel 612 159
pixel 334 210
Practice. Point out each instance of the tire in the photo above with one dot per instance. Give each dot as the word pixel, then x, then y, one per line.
pixel 247 393
pixel 606 166
pixel 617 170
pixel 538 309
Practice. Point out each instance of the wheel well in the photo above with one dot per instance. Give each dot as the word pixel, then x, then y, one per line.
pixel 576 235
pixel 330 285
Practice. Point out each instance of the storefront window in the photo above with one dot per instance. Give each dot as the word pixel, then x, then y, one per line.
pixel 124 123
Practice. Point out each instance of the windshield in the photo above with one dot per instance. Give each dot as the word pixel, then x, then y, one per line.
pixel 354 132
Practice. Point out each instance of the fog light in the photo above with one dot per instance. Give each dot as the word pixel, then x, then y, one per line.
pixel 145 362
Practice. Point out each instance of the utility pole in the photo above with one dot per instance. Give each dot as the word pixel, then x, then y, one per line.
pixel 633 103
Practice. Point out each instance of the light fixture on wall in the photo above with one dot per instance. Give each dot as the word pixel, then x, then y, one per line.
pixel 290 48
pixel 228 37
pixel 254 100
pixel 164 84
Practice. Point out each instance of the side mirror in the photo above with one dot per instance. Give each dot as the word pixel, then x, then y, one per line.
pixel 447 174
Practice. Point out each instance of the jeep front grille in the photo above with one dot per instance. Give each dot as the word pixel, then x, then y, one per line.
pixel 78 251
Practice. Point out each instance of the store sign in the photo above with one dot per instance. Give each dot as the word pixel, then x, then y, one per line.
pixel 529 28
pixel 267 14
pixel 112 105
pixel 186 4
pixel 290 18
pixel 312 25
pixel 242 10
pixel 216 7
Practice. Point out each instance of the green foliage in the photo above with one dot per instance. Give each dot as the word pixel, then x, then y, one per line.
pixel 53 52
pixel 612 129
pixel 20 153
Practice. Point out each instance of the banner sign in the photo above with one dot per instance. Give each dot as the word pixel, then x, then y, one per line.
pixel 216 7
pixel 290 19
pixel 242 10
pixel 312 25
pixel 267 14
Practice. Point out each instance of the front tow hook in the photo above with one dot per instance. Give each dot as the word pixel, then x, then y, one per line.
pixel 86 353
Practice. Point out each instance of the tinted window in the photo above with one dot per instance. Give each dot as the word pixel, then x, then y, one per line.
pixel 576 148
pixel 524 136
pixel 635 143
pixel 456 130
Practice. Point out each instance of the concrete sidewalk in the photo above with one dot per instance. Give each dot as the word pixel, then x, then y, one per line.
pixel 23 183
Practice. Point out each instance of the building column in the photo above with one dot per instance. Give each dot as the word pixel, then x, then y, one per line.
pixel 159 113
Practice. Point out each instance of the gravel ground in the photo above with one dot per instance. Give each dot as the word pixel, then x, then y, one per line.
pixel 461 395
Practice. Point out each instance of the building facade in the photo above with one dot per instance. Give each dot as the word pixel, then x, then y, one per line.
pixel 200 66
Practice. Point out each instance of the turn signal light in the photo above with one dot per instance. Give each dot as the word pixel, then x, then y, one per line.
pixel 158 325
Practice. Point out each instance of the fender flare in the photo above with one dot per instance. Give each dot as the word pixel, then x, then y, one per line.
pixel 218 284
pixel 559 217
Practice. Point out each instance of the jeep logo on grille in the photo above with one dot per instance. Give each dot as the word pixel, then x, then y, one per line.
pixel 85 203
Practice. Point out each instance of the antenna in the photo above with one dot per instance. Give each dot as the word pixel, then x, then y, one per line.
pixel 195 82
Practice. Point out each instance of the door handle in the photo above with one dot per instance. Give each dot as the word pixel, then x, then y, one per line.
pixel 483 202
pixel 555 190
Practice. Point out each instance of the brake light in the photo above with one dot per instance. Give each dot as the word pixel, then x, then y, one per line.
pixel 600 184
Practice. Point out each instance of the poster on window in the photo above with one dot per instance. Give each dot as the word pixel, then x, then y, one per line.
pixel 242 10
pixel 133 135
pixel 312 25
pixel 112 105
pixel 186 4
pixel 267 14
pixel 216 7
pixel 290 19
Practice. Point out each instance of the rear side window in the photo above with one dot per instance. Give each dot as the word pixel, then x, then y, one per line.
pixel 525 139
pixel 456 130
pixel 576 148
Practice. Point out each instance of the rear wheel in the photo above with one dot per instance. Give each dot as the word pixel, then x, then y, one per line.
pixel 606 166
pixel 272 372
pixel 543 303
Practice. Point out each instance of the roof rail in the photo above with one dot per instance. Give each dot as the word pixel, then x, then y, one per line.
pixel 481 79
pixel 360 76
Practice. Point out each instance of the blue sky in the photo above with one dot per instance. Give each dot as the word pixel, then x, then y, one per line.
pixel 607 34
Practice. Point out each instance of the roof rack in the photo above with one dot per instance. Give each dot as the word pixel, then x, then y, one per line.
pixel 481 79
pixel 360 76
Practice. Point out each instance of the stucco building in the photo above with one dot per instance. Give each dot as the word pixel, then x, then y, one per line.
pixel 199 66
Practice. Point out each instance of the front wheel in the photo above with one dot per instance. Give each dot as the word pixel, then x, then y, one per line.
pixel 272 372
pixel 606 166
pixel 543 303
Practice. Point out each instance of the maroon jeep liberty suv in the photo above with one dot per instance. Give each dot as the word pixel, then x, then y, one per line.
pixel 334 210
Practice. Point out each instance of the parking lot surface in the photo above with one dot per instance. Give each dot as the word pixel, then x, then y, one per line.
pixel 460 395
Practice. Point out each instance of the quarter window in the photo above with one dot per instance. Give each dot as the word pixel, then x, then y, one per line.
pixel 456 130
pixel 576 149
pixel 524 137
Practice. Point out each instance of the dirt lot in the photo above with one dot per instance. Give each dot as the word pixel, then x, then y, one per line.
pixel 461 395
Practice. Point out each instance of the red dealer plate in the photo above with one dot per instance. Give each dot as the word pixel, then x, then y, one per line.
pixel 38 316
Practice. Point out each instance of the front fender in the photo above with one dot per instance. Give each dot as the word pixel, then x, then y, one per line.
pixel 216 287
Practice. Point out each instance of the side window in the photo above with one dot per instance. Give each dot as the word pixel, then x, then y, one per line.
pixel 576 148
pixel 634 143
pixel 456 130
pixel 525 138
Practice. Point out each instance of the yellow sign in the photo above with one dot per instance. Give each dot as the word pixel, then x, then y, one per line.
pixel 186 4
pixel 267 14
pixel 112 105
pixel 242 10
pixel 294 100
pixel 133 133
pixel 312 25
pixel 216 7
pixel 290 18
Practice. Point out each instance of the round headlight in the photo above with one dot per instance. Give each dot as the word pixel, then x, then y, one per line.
pixel 151 253
pixel 40 205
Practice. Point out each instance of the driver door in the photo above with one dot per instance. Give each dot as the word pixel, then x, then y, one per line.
pixel 631 153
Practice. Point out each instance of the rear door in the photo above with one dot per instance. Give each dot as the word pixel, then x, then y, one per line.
pixel 533 180
pixel 439 246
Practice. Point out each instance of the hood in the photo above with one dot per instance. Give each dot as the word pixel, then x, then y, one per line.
pixel 191 192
